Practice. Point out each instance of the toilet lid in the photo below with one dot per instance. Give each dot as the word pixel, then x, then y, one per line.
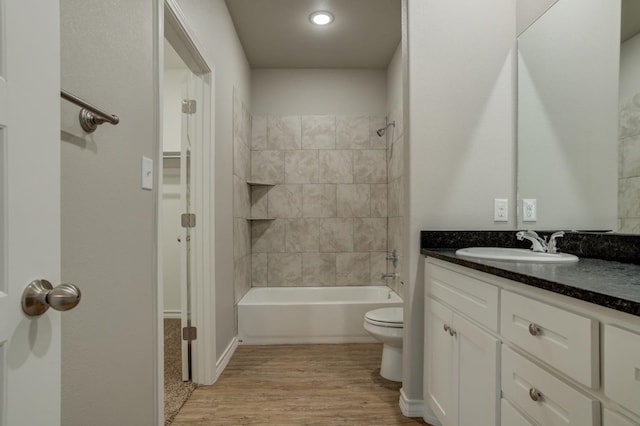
pixel 385 317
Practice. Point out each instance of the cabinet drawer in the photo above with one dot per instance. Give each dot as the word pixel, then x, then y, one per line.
pixel 611 418
pixel 622 367
pixel 557 403
pixel 476 299
pixel 564 340
pixel 509 416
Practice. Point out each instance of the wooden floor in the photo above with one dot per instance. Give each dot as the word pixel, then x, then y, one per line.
pixel 299 385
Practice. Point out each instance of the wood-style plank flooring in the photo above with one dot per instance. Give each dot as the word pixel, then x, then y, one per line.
pixel 299 385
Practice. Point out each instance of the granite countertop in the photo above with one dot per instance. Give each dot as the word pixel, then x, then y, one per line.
pixel 609 283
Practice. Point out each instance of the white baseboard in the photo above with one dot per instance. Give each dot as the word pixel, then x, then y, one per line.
pixel 416 408
pixel 169 314
pixel 222 363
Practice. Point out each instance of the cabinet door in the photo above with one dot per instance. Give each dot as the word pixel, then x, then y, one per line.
pixel 478 378
pixel 440 386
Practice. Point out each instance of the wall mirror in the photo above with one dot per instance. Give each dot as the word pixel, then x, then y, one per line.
pixel 578 67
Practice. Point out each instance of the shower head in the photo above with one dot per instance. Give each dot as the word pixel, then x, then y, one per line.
pixel 383 130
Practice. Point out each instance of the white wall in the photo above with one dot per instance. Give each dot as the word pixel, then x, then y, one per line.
pixel 461 149
pixel 109 344
pixel 318 92
pixel 394 81
pixel 629 68
pixel 212 26
pixel 568 115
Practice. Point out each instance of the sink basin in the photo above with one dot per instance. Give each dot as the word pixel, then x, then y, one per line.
pixel 515 255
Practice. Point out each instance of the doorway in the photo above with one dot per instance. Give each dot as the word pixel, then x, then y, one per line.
pixel 185 236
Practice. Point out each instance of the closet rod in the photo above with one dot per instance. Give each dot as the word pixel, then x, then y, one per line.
pixel 90 116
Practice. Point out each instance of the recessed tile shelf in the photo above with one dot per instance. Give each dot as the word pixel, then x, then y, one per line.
pixel 253 183
pixel 261 218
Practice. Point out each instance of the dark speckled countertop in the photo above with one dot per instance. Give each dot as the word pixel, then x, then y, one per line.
pixel 609 283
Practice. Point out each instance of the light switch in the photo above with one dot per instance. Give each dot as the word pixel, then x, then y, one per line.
pixel 501 210
pixel 147 173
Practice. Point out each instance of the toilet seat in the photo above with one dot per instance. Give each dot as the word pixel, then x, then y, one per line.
pixel 385 317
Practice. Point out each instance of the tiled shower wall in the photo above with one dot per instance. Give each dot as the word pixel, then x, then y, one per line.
pixel 395 148
pixel 241 201
pixel 323 222
pixel 629 166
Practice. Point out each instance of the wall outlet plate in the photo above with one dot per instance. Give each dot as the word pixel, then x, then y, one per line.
pixel 529 210
pixel 501 210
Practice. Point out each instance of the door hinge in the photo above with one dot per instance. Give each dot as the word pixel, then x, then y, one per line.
pixel 189 333
pixel 188 220
pixel 188 106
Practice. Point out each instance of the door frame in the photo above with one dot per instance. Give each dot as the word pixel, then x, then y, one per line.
pixel 172 25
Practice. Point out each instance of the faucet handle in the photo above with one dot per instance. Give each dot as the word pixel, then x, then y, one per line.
pixel 552 248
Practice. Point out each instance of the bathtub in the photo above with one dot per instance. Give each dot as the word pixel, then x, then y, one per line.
pixel 278 315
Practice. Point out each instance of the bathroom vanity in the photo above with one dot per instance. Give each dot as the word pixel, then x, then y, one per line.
pixel 530 344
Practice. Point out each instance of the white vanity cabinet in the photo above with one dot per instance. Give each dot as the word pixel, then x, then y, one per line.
pixel 464 385
pixel 498 352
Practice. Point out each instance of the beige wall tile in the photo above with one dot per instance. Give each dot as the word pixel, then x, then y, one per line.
pixel 396 189
pixel 629 197
pixel 379 200
pixel 302 235
pixel 352 132
pixel 259 270
pixel 241 160
pixel 630 225
pixel 336 235
pixel 395 234
pixel 353 200
pixel 379 267
pixel 284 269
pixel 318 269
pixel 353 269
pixel 370 234
pixel 335 166
pixel 259 201
pixel 629 122
pixel 318 132
pixel 267 166
pixel 318 200
pixel 259 132
pixel 241 198
pixel 375 123
pixel 241 238
pixel 301 166
pixel 395 159
pixel 285 201
pixel 241 277
pixel 370 166
pixel 267 236
pixel 630 156
pixel 284 132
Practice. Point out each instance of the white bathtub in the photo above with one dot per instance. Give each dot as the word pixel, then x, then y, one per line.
pixel 277 315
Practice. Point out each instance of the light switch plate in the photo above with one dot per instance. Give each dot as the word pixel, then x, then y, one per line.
pixel 529 210
pixel 501 210
pixel 147 173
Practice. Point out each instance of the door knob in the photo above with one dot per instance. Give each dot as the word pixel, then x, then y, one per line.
pixel 40 295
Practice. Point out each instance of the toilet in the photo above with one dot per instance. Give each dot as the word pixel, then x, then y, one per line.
pixel 385 325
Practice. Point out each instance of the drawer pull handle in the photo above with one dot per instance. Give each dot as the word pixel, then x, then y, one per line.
pixel 450 330
pixel 534 330
pixel 535 394
pixel 446 327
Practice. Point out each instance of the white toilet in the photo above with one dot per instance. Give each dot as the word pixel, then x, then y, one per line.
pixel 385 324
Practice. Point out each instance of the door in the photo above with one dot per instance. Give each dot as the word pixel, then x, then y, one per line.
pixel 478 377
pixel 440 392
pixel 189 106
pixel 29 208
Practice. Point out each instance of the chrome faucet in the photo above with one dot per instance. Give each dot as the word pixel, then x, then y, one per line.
pixel 552 247
pixel 539 243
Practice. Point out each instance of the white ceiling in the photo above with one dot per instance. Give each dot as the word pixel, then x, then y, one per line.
pixel 278 34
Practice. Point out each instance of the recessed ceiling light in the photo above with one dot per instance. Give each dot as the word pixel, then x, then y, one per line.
pixel 321 17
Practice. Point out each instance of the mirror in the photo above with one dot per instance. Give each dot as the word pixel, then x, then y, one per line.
pixel 571 85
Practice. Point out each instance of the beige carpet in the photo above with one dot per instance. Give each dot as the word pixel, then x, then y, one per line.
pixel 176 392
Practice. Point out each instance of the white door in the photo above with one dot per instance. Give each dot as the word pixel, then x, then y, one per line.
pixel 186 259
pixel 29 208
